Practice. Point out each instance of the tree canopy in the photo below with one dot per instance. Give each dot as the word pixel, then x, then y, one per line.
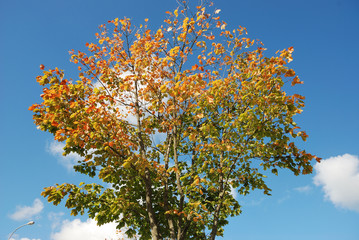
pixel 172 120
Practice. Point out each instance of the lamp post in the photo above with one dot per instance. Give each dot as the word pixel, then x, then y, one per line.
pixel 29 223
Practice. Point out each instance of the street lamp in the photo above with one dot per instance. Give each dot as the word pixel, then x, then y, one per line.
pixel 29 223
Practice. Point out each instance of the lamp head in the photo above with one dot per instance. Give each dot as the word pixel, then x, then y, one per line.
pixel 31 223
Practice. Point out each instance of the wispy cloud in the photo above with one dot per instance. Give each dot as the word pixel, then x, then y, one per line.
pixel 27 212
pixel 89 230
pixel 304 189
pixel 68 161
pixel 339 179
pixel 55 219
pixel 252 203
pixel 284 198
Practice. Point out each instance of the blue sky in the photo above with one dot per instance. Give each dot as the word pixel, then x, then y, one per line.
pixel 324 34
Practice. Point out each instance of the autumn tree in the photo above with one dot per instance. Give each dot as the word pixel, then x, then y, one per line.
pixel 172 120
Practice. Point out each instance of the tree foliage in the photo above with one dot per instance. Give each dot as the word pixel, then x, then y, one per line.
pixel 173 120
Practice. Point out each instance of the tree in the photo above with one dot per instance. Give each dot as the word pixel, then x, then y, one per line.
pixel 173 120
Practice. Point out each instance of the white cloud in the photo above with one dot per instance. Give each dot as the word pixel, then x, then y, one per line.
pixel 68 161
pixel 78 230
pixel 55 219
pixel 26 212
pixel 304 189
pixel 339 178
pixel 16 237
pixel 234 192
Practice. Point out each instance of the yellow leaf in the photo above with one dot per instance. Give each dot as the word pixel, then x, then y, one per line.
pixel 127 164
pixel 185 23
pixel 192 137
pixel 176 12
pixel 196 182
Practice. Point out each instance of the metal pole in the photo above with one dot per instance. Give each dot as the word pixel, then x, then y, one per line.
pixel 29 223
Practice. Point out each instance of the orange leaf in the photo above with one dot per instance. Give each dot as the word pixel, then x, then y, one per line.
pixel 42 67
pixel 73 104
pixel 298 96
pixel 194 67
pixel 32 107
pixel 296 81
pixel 290 73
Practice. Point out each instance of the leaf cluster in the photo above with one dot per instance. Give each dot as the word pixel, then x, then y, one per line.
pixel 173 120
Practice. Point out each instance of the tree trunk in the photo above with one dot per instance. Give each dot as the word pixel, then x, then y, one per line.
pixel 178 181
pixel 220 197
pixel 147 178
pixel 165 195
pixel 151 214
